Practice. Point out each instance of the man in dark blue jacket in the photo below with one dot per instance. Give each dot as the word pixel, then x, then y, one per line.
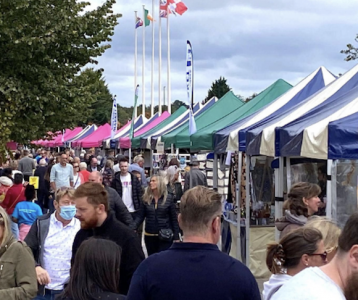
pixel 195 269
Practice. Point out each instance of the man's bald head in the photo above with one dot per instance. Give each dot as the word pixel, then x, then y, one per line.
pixel 95 176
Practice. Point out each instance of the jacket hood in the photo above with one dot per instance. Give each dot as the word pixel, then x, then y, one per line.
pixel 5 181
pixel 288 219
pixel 274 284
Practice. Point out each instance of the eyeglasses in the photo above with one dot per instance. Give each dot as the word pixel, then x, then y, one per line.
pixel 322 255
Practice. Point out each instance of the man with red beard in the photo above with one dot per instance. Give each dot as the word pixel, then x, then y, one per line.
pixel 92 206
pixel 333 280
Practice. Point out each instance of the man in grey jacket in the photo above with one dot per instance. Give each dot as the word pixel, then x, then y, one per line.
pixel 26 165
pixel 115 201
pixel 198 177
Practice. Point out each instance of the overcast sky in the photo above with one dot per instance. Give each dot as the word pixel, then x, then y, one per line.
pixel 251 43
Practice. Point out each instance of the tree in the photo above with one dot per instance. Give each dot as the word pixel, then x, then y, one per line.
pixel 101 109
pixel 251 97
pixel 218 89
pixel 44 44
pixel 351 51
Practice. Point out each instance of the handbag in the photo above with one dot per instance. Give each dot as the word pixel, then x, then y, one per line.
pixel 165 235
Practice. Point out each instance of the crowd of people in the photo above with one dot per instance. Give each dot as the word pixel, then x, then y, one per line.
pixel 79 236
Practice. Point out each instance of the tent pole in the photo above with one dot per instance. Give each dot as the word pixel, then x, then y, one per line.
pixel 130 155
pixel 288 172
pixel 215 172
pixel 247 204
pixel 329 190
pixel 238 202
pixel 279 193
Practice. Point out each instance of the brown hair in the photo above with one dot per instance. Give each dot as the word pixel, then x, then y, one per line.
pixel 174 162
pixel 197 207
pixel 349 235
pixel 299 191
pixel 288 252
pixel 95 193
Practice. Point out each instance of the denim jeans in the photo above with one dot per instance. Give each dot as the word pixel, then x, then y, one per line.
pixel 15 229
pixel 49 295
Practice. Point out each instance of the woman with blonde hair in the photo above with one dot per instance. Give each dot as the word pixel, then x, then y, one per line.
pixel 302 202
pixel 330 232
pixel 174 186
pixel 161 222
pixel 299 249
pixel 17 273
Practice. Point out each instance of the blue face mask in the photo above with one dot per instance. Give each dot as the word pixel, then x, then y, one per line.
pixel 68 212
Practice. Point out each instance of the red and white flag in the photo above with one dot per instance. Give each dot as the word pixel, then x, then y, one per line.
pixel 172 6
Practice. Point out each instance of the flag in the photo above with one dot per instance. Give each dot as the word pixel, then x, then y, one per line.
pixel 189 86
pixel 172 6
pixel 192 124
pixel 147 18
pixel 63 137
pixel 133 114
pixel 114 118
pixel 139 23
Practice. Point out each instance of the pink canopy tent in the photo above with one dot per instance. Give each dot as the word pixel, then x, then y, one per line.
pixel 94 139
pixel 125 142
pixel 119 130
pixel 57 141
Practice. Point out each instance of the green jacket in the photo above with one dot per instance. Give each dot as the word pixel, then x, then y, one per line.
pixel 17 272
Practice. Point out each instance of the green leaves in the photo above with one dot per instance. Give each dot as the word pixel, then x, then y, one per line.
pixel 218 89
pixel 44 44
pixel 351 52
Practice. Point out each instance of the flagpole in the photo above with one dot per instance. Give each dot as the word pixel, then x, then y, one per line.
pixel 160 65
pixel 143 65
pixel 135 54
pixel 152 75
pixel 168 67
pixel 192 78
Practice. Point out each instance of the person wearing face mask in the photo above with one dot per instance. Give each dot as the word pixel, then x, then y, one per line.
pixel 50 239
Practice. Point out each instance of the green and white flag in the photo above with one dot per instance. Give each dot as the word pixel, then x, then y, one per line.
pixel 134 109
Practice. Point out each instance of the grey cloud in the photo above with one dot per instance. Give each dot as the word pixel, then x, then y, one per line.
pixel 252 44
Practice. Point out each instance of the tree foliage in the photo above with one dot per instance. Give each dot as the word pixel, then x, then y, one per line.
pixel 44 44
pixel 101 109
pixel 351 52
pixel 218 89
pixel 251 97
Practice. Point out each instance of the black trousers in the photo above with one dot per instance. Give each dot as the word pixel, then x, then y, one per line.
pixel 155 245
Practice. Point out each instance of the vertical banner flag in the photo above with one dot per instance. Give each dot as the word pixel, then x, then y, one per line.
pixel 63 136
pixel 114 118
pixel 189 86
pixel 134 109
pixel 138 23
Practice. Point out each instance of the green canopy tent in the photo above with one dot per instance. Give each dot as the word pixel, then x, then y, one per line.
pixel 172 118
pixel 180 136
pixel 203 138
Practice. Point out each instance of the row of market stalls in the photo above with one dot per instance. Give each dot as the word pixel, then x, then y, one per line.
pixel 257 150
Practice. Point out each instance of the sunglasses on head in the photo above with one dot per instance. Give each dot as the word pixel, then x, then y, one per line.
pixel 322 255
pixel 63 188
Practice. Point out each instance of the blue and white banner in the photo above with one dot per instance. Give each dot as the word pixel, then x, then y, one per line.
pixel 114 118
pixel 189 72
pixel 189 86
